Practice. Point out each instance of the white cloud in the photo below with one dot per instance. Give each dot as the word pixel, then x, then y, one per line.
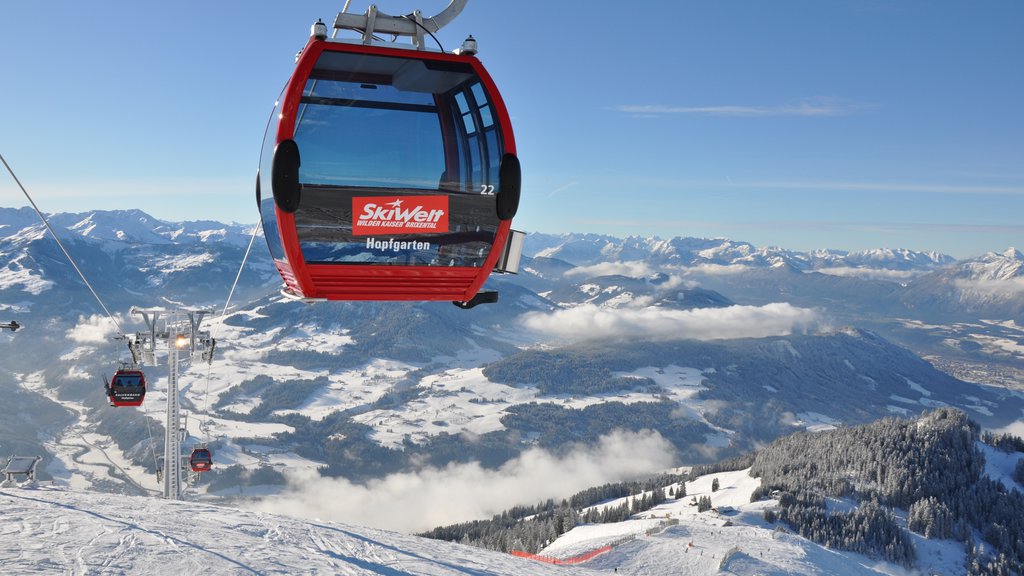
pixel 717 269
pixel 635 269
pixel 590 322
pixel 870 273
pixel 676 282
pixel 1009 288
pixel 417 501
pixel 96 329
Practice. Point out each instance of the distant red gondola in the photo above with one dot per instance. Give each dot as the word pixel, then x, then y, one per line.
pixel 392 175
pixel 127 388
pixel 201 460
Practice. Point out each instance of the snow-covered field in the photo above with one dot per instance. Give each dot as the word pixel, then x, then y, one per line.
pixel 1002 339
pixel 46 530
pixel 464 400
pixel 85 458
pixel 60 529
pixel 673 539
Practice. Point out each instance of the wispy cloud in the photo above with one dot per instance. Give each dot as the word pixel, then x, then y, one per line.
pixel 809 107
pixel 409 501
pixel 865 227
pixel 562 188
pixel 590 322
pixel 137 189
pixel 867 186
pixel 164 197
pixel 819 186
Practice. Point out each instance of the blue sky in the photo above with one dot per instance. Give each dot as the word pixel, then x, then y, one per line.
pixel 805 124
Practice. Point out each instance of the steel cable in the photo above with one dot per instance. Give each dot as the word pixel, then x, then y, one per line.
pixel 61 244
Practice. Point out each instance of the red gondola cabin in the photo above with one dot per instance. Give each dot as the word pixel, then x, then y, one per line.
pixel 127 388
pixel 388 173
pixel 201 460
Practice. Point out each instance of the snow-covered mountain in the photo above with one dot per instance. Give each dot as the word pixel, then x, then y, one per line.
pixel 125 226
pixel 590 249
pixel 130 257
pixel 877 499
pixel 991 285
pixel 716 345
pixel 1007 266
pixel 62 530
pixel 893 259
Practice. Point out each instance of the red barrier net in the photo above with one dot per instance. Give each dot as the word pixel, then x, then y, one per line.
pixel 574 560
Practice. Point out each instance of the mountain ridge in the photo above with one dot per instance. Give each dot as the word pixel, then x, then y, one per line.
pixel 365 391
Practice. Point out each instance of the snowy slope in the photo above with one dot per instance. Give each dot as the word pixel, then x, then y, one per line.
pixel 53 529
pixel 990 286
pixel 1007 265
pixel 406 401
pixel 673 539
pixel 56 530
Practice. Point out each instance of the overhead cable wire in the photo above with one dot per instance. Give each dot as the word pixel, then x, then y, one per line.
pixel 252 239
pixel 61 244
pixel 223 312
pixel 418 23
pixel 152 443
pixel 46 223
pixel 205 426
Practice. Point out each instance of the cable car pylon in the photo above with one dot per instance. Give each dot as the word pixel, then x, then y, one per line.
pixel 179 331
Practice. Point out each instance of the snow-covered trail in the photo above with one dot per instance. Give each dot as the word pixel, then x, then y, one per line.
pixel 732 539
pixel 58 530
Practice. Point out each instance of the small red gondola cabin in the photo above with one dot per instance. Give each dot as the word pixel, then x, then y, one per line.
pixel 201 460
pixel 127 388
pixel 388 173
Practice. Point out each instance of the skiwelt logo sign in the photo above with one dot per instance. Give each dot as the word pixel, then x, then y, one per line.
pixel 399 215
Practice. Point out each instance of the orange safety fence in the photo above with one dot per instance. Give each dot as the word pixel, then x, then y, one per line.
pixel 574 560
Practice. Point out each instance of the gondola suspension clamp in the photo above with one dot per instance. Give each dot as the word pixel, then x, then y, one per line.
pixel 413 25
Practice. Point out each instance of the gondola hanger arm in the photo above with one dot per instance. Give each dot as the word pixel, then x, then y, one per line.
pixel 414 25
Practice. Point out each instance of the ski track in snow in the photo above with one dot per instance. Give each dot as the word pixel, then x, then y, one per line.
pixel 731 539
pixel 58 530
pixel 52 529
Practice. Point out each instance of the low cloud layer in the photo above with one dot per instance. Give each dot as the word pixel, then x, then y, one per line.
pixel 636 269
pixel 871 273
pixel 670 278
pixel 717 269
pixel 417 501
pixel 1010 288
pixel 590 322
